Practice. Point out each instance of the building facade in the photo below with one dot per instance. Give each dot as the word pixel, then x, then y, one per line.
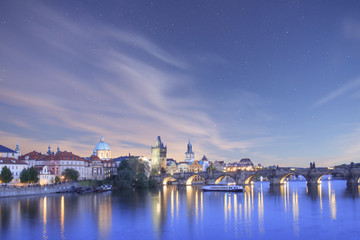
pixel 7 152
pixel 195 167
pixel 158 155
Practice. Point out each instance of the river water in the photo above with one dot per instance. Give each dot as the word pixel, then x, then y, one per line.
pixel 292 211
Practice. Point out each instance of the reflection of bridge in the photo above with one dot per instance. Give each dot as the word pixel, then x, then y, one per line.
pixel 275 176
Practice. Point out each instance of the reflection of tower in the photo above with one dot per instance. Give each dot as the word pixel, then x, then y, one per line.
pixel 158 155
pixel 189 155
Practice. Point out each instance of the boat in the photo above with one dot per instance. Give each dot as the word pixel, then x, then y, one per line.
pixel 223 188
pixel 104 188
pixel 84 190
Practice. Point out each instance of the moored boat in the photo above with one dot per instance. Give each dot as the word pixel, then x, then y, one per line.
pixel 224 188
pixel 84 190
pixel 104 188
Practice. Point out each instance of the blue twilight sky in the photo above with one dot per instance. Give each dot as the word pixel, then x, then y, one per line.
pixel 276 81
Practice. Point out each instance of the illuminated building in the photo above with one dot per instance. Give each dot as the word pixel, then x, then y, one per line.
pixel 171 166
pixel 158 155
pixel 183 167
pixel 102 150
pixel 46 176
pixel 195 167
pixel 244 164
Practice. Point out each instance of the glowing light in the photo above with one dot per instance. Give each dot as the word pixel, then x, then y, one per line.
pixel 62 216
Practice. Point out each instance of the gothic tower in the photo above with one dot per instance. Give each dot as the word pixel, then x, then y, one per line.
pixel 189 155
pixel 158 155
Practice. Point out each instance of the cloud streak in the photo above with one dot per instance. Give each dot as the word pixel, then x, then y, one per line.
pixel 350 86
pixel 86 82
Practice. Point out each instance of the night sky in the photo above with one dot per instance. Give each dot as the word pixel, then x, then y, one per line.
pixel 275 81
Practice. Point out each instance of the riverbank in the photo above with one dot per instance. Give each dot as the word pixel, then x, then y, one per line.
pixel 11 191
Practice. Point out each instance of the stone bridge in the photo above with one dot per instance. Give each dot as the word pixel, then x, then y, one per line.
pixel 275 176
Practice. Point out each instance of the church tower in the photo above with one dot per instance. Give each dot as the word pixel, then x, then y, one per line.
pixel 17 150
pixel 189 155
pixel 158 155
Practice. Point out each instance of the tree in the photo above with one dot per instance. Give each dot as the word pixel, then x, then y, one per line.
pixel 126 175
pixel 34 175
pixel 57 179
pixel 6 175
pixel 24 176
pixel 155 171
pixel 133 173
pixel 71 174
pixel 142 181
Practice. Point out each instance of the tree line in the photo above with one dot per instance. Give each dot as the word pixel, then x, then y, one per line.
pixel 31 175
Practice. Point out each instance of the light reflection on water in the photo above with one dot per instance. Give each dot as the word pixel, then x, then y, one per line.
pixel 289 211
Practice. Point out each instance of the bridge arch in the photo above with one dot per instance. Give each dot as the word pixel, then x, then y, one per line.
pixel 168 179
pixel 292 173
pixel 218 180
pixel 195 177
pixel 248 179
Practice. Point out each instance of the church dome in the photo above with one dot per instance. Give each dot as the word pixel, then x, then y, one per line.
pixel 102 145
pixel 246 162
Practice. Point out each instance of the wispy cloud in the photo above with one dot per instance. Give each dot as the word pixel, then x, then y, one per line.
pixel 351 29
pixel 78 83
pixel 348 87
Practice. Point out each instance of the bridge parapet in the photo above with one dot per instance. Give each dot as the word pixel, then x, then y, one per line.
pixel 276 176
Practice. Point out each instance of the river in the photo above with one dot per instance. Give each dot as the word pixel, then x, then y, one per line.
pixel 292 211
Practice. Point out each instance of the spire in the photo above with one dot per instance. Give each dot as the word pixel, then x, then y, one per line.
pixel 49 150
pixel 17 149
pixel 58 149
pixel 102 139
pixel 158 142
pixel 189 147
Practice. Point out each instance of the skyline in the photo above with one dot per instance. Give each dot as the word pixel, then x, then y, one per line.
pixel 276 82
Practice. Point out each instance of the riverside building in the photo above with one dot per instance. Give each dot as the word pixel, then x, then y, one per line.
pixel 7 152
pixel 15 166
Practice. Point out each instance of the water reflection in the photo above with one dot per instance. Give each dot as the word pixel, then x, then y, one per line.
pixel 104 216
pixel 44 217
pixel 256 213
pixel 261 209
pixel 332 201
pixel 62 216
pixel 295 207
